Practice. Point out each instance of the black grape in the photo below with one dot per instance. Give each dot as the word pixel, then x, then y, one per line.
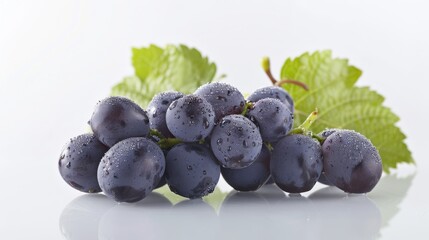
pixel 118 118
pixel 79 161
pixel 192 170
pixel 157 109
pixel 296 163
pixel 269 181
pixel 272 117
pixel 236 142
pixel 190 118
pixel 252 177
pixel 351 162
pixel 131 169
pixel 322 179
pixel 162 181
pixel 327 132
pixel 225 99
pixel 273 92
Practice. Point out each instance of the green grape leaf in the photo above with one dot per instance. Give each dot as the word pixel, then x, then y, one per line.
pixel 178 68
pixel 344 105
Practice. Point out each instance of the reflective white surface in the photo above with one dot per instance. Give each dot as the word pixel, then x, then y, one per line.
pixel 59 57
pixel 324 214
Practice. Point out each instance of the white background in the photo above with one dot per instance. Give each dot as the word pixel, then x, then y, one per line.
pixel 57 58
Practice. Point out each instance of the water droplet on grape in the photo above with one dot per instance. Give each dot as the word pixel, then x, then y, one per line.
pixel 206 123
pixel 224 122
pixel 221 98
pixel 173 105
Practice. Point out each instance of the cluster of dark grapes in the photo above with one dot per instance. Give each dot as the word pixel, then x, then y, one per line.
pixel 188 141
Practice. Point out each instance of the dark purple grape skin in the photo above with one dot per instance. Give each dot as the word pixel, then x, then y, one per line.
pixel 323 180
pixel 225 99
pixel 272 117
pixel 79 162
pixel 250 178
pixel 163 180
pixel 190 118
pixel 351 162
pixel 157 109
pixel 131 169
pixel 273 92
pixel 269 181
pixel 192 170
pixel 296 163
pixel 118 118
pixel 326 133
pixel 236 142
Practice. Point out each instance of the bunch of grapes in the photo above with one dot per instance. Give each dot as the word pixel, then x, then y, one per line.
pixel 188 141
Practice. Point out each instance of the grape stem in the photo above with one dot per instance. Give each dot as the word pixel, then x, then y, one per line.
pixel 247 106
pixel 156 133
pixel 267 69
pixel 310 120
pixel 304 128
pixel 269 146
pixel 318 138
pixel 164 142
pixel 298 83
pixel 167 143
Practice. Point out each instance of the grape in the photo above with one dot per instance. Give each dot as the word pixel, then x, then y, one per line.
pixel 225 99
pixel 269 181
pixel 157 109
pixel 351 162
pixel 131 169
pixel 79 161
pixel 117 118
pixel 252 177
pixel 236 142
pixel 322 179
pixel 272 117
pixel 192 170
pixel 327 132
pixel 273 92
pixel 190 118
pixel 296 163
pixel 161 182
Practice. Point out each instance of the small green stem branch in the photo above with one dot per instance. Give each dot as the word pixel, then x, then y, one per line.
pixel 156 133
pixel 318 138
pixel 304 128
pixel 247 106
pixel 298 83
pixel 266 66
pixel 164 142
pixel 310 120
pixel 269 146
pixel 168 142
